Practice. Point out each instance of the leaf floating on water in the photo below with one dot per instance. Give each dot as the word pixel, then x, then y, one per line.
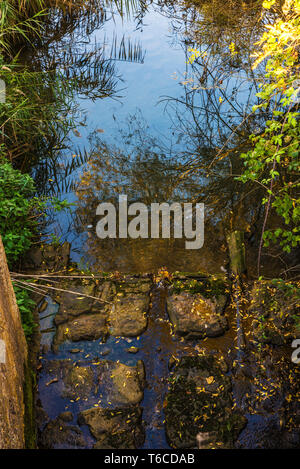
pixel 55 380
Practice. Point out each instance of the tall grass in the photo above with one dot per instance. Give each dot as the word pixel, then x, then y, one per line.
pixel 41 109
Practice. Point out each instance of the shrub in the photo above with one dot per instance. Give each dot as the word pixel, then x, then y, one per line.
pixel 18 211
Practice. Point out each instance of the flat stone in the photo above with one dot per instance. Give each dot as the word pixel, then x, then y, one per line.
pixel 128 316
pixel 84 327
pixel 123 384
pixel 71 381
pixel 78 382
pixel 195 316
pixel 119 428
pixel 74 305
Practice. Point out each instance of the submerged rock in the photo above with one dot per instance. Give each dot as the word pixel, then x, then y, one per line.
pixel 125 384
pixel 57 434
pixel 118 384
pixel 195 316
pixel 71 380
pixel 66 416
pixel 266 387
pixel 199 408
pixel 119 428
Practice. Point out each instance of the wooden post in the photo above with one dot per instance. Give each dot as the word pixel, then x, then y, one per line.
pixel 13 358
pixel 236 246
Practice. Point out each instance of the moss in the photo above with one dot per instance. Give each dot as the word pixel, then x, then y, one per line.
pixel 30 380
pixel 189 411
pixel 29 404
pixel 210 287
pixel 192 408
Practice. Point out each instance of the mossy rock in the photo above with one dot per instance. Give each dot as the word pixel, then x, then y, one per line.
pixel 209 286
pixel 199 402
pixel 196 316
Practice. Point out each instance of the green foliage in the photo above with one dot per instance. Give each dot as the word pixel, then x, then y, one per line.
pixel 20 19
pixel 288 289
pixel 274 160
pixel 20 215
pixel 208 287
pixel 26 306
pixel 38 112
pixel 17 211
pixel 21 212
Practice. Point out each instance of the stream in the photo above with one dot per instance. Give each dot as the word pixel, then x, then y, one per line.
pixel 168 117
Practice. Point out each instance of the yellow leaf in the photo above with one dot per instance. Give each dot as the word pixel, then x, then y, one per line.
pixel 210 379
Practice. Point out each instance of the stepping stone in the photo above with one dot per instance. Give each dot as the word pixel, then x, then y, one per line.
pixel 199 406
pixel 128 315
pixel 119 428
pixel 195 316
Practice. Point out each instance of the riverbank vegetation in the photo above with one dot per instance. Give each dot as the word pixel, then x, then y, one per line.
pixel 33 113
pixel 273 162
pixel 38 110
pixel 270 133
